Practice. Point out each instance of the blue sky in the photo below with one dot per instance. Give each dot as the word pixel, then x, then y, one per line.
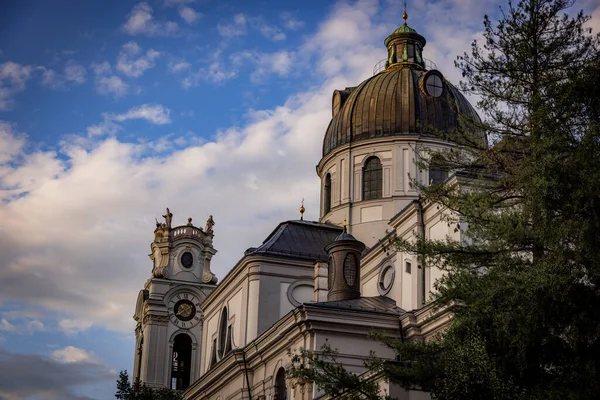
pixel 111 111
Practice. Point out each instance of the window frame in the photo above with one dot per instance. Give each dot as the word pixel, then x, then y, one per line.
pixel 437 174
pixel 223 335
pixel 372 175
pixel 280 386
pixel 327 194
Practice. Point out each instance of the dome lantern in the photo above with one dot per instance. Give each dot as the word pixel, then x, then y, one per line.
pixel 405 47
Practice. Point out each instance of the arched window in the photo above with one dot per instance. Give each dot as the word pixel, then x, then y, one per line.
pixel 224 334
pixel 139 366
pixel 280 392
pixel 437 173
pixel 372 179
pixel 181 361
pixel 327 194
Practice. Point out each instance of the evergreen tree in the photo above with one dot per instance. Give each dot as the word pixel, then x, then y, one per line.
pixel 527 277
pixel 123 386
pixel 139 391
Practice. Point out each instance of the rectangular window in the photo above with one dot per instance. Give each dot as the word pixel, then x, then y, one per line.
pixel 411 53
pixel 399 52
pixel 408 267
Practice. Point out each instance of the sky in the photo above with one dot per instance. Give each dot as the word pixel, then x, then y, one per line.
pixel 113 110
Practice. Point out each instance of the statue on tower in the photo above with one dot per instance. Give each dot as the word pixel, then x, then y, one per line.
pixel 168 217
pixel 210 222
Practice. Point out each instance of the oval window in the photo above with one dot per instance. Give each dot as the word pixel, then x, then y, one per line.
pixel 350 269
pixel 386 279
pixel 187 260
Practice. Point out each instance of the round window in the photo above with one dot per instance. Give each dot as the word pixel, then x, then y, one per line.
pixel 386 279
pixel 434 86
pixel 187 260
pixel 350 270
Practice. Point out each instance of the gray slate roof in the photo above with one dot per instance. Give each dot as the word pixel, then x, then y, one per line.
pixel 301 239
pixel 380 304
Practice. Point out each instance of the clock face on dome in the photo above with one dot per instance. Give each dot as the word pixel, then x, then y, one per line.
pixel 184 310
pixel 434 85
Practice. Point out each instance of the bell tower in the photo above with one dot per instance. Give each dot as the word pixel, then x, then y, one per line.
pixel 169 309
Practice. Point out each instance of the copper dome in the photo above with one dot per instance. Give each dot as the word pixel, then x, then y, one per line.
pixel 393 103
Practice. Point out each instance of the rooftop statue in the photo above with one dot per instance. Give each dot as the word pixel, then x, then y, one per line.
pixel 168 217
pixel 210 222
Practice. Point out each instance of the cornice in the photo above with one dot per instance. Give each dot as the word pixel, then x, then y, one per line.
pixel 242 270
pixel 394 139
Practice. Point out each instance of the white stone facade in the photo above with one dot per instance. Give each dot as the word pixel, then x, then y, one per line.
pixel 237 335
pixel 368 219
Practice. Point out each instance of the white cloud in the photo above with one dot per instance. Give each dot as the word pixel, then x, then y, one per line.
pixel 27 327
pixel 34 326
pixel 54 379
pixel 132 63
pixel 263 64
pixel 111 85
pixel 268 31
pixel 106 83
pixel 102 68
pixel 290 22
pixel 593 9
pixel 90 210
pixel 11 142
pixel 73 73
pixel 279 63
pixel 72 354
pixel 236 28
pixel 179 66
pixel 171 3
pixel 13 77
pixel 106 127
pixel 189 15
pixel 7 326
pixel 156 114
pixel 218 72
pixel 74 326
pixel 51 78
pixel 140 21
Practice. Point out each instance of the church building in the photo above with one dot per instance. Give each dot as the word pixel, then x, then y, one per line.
pixel 314 282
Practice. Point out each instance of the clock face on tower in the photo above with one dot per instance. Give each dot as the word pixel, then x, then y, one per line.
pixel 184 310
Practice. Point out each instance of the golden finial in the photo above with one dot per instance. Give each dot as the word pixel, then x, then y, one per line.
pixel 345 225
pixel 302 209
pixel 404 15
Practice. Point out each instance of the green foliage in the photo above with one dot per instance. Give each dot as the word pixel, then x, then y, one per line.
pixel 139 391
pixel 527 273
pixel 324 370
